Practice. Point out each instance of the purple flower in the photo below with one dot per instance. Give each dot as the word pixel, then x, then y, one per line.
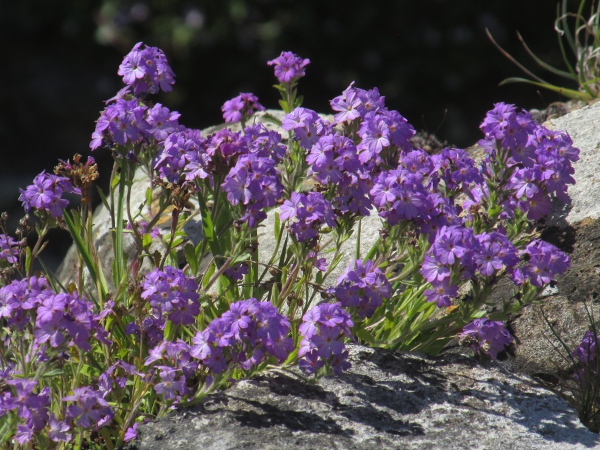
pixel 545 261
pixel 121 122
pixel 486 337
pixel 146 70
pixel 355 102
pixel 363 286
pixel 495 251
pixel 254 182
pixel 169 387
pixel 241 107
pixel 247 334
pixel 162 122
pixel 288 67
pixel 9 249
pixel 310 212
pixel 307 126
pixel 324 328
pixel 58 430
pixel 442 293
pixel 172 294
pixel 131 433
pixel 46 194
pixel 88 409
pixel 179 151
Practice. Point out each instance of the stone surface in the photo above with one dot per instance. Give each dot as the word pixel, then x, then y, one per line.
pixel 583 126
pixel 386 400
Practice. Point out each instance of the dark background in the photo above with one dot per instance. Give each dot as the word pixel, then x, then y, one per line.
pixel 431 59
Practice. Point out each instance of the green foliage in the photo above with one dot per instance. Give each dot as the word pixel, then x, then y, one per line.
pixel 578 38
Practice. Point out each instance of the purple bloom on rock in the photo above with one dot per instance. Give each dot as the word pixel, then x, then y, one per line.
pixel 9 249
pixel 362 286
pixel 442 293
pixel 172 294
pixel 324 329
pixel 288 67
pixel 131 433
pixel 244 105
pixel 169 387
pixel 246 335
pixel 146 70
pixel 45 194
pixel 545 261
pixel 87 408
pixel 162 121
pixel 308 213
pixel 486 337
pixel 308 127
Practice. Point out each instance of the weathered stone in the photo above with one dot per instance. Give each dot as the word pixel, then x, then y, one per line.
pixel 386 400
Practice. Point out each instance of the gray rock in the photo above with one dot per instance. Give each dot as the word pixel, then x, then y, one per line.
pixel 583 125
pixel 387 400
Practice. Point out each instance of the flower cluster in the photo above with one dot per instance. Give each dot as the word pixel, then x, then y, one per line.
pixel 544 261
pixel 324 329
pixel 289 67
pixel 308 127
pixel 249 333
pixel 128 120
pixel 334 161
pixel 380 128
pixel 146 70
pixel 45 327
pixel 88 409
pixel 255 183
pixel 308 212
pixel 181 157
pixel 586 363
pixel 29 406
pixel 540 160
pixel 174 369
pixel 363 286
pixel 46 194
pixel 486 337
pixel 239 108
pixel 456 250
pixel 171 294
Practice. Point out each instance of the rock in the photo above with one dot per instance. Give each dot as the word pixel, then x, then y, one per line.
pixel 386 400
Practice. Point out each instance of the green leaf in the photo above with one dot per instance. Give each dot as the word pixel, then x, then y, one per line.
pixel 115 181
pixel 365 336
pixel 82 249
pixel 544 65
pixel 569 93
pixel 190 256
pixel 103 198
pixel 284 105
pixel 209 273
pixel 53 373
pixel 270 118
pixel 146 240
pixel 28 260
pixel 149 196
pixel 208 229
pixel 277 227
